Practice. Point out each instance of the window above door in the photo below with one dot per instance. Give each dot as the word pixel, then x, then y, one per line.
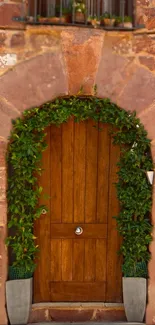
pixel 106 14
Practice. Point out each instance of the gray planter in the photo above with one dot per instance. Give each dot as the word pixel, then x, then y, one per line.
pixel 134 296
pixel 19 300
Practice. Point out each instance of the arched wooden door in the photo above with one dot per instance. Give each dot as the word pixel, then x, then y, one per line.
pixel 78 189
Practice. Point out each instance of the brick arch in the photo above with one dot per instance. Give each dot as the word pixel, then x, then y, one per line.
pixel 62 72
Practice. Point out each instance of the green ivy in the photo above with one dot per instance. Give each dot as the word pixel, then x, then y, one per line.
pixel 27 142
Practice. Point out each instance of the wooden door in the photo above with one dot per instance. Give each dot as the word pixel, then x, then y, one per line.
pixel 78 189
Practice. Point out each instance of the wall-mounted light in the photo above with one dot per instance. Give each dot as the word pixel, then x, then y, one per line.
pixel 150 176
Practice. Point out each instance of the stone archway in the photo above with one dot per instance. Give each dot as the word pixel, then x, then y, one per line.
pixel 84 59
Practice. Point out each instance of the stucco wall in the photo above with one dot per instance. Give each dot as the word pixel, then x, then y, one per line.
pixel 38 64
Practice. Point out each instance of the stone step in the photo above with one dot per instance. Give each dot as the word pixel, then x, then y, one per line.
pixel 88 323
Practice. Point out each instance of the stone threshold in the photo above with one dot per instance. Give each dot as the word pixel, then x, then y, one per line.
pixel 76 304
pixel 90 323
pixel 77 312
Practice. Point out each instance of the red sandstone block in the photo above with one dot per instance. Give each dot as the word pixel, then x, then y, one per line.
pixel 7 12
pixel 2 184
pixel 148 61
pixel 3 148
pixel 82 58
pixel 46 314
pixel 59 315
pixel 140 83
pixel 3 214
pixel 17 39
pixel 37 81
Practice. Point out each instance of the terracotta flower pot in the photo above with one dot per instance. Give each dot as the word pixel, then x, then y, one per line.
pixel 66 19
pixel 95 23
pixel 53 20
pixel 79 17
pixel 108 22
pixel 42 20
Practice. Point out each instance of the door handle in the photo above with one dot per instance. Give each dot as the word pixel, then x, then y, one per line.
pixel 78 231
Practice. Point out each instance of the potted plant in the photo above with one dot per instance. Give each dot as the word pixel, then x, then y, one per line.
pixel 108 20
pixel 41 19
pixel 80 10
pixel 136 234
pixel 19 296
pixel 53 20
pixel 126 23
pixel 64 19
pixel 135 290
pixel 19 293
pixel 94 21
pixel 66 15
pixel 29 19
pixel 19 284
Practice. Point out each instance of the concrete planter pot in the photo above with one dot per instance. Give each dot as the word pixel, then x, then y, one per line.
pixel 134 297
pixel 19 300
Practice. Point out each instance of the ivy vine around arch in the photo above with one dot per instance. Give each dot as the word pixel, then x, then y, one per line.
pixel 27 142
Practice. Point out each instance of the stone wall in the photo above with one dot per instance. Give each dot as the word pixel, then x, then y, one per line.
pixel 146 13
pixel 40 63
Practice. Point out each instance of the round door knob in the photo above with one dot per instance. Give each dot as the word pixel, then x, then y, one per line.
pixel 78 231
pixel 43 211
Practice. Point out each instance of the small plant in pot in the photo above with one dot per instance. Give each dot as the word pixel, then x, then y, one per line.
pixel 53 20
pixel 94 21
pixel 80 10
pixel 66 15
pixel 136 238
pixel 41 19
pixel 19 284
pixel 29 19
pixel 135 290
pixel 126 22
pixel 108 20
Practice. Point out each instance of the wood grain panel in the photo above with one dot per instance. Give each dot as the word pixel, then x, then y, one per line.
pixel 67 171
pixel 103 173
pixel 78 260
pixel 79 171
pixel 113 283
pixel 56 161
pixel 90 260
pixel 66 259
pixel 91 171
pixel 101 260
pixel 89 231
pixel 79 175
pixel 114 262
pixel 77 291
pixel 56 260
pixel 42 232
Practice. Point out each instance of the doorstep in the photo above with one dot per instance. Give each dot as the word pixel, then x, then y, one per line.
pixel 90 323
pixel 77 312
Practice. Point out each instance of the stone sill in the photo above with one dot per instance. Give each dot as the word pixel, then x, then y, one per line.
pixel 77 304
pixel 85 26
pixel 90 323
pixel 22 20
pixel 80 26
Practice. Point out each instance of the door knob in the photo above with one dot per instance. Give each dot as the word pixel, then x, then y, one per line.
pixel 43 211
pixel 78 231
